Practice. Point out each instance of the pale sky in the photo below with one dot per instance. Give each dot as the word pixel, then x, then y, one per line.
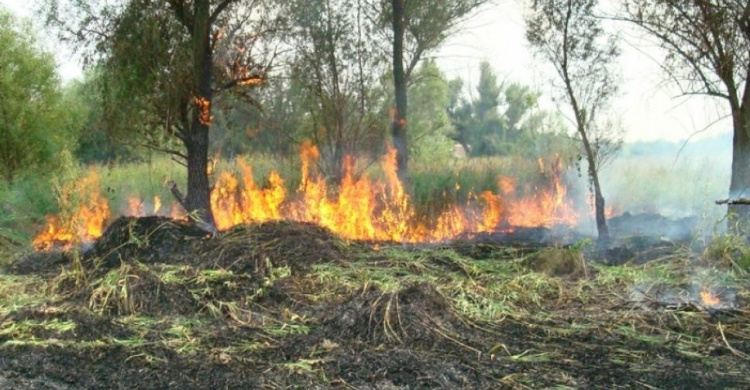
pixel 648 109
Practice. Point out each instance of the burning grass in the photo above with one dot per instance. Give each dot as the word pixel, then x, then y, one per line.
pixel 360 208
pixel 284 304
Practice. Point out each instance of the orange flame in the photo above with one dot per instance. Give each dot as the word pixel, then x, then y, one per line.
pixel 157 204
pixel 709 299
pixel 233 205
pixel 251 80
pixel 204 105
pixel 83 225
pixel 365 209
pixel 137 207
pixel 360 208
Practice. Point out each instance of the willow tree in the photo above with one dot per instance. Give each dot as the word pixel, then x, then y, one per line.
pixel 708 52
pixel 164 63
pixel 568 35
pixel 417 27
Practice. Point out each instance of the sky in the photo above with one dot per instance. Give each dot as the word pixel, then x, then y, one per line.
pixel 648 108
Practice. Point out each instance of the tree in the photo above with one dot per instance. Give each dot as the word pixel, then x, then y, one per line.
pixel 36 118
pixel 95 141
pixel 417 27
pixel 338 69
pixel 501 119
pixel 164 62
pixel 568 35
pixel 708 52
pixel 431 129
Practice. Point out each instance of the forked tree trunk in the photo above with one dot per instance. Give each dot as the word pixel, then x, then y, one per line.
pixel 196 142
pixel 739 214
pixel 399 81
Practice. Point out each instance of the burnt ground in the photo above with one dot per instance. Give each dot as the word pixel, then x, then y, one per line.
pixel 156 304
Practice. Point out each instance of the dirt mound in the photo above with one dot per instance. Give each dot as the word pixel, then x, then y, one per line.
pixel 256 248
pixel 148 239
pixel 417 316
pixel 245 249
pixel 140 291
pixel 159 266
pixel 127 240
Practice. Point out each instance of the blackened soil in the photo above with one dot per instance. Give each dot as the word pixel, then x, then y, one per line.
pixel 163 306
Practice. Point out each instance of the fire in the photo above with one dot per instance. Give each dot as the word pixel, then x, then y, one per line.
pixel 492 213
pixel 233 205
pixel 359 208
pixel 367 209
pixel 609 212
pixel 251 80
pixel 84 224
pixel 137 207
pixel 204 105
pixel 157 204
pixel 547 206
pixel 709 299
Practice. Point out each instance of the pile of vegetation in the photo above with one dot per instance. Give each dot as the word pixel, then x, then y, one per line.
pixel 156 303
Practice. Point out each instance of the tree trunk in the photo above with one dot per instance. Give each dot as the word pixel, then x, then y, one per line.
pixel 601 219
pixel 739 215
pixel 196 142
pixel 399 82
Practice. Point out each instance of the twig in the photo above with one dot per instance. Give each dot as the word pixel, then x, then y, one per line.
pixel 177 194
pixel 734 351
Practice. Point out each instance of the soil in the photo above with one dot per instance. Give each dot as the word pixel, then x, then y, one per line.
pixel 158 304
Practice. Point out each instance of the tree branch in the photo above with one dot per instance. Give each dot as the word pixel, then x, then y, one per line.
pixel 245 81
pixel 175 190
pixel 155 148
pixel 219 9
pixel 178 6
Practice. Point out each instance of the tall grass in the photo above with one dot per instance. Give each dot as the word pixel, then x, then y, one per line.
pixel 23 204
pixel 435 186
pixel 643 184
pixel 687 187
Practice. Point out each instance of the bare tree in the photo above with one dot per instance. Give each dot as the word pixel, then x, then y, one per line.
pixel 708 52
pixel 566 33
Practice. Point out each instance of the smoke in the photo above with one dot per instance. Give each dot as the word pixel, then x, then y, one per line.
pixel 671 182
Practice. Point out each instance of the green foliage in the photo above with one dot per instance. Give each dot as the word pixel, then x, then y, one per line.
pixel 23 204
pixel 36 118
pixel 338 71
pixel 437 185
pixel 730 250
pixel 430 128
pixel 98 141
pixel 501 120
pixel 145 76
